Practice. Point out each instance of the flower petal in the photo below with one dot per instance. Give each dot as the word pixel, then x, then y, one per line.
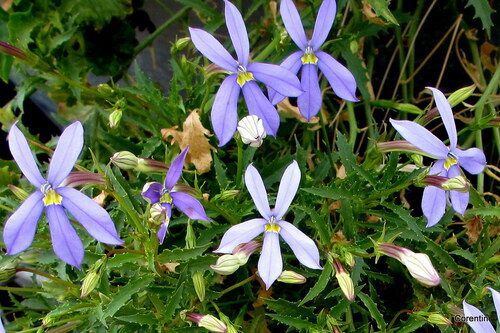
pixel 472 160
pixel 237 32
pixel 459 200
pixel 212 49
pixel 224 114
pixel 189 206
pixel 433 204
pixel 270 263
pixel 293 63
pixel 302 246
pixel 293 24
pixel 175 170
pixel 340 78
pixel 151 192
pixel 65 241
pixel 260 106
pixel 20 228
pixel 496 300
pixel 420 137
pixel 93 218
pixel 161 233
pixel 276 77
pixel 288 188
pixel 24 157
pixel 476 325
pixel 67 151
pixel 241 233
pixel 310 101
pixel 446 113
pixel 257 190
pixel 324 22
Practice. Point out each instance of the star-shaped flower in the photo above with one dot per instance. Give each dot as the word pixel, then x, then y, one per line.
pixel 450 159
pixel 309 58
pixel 271 224
pixel 20 228
pixel 243 77
pixel 482 324
pixel 166 195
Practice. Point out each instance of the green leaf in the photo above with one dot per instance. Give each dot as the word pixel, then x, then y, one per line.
pixel 179 254
pixel 372 307
pixel 443 256
pixel 220 172
pixel 320 285
pixel 173 302
pixel 483 12
pixel 140 318
pixel 407 218
pixel 136 284
pixel 490 251
pixel 381 8
pixel 403 107
pixel 464 254
pixel 298 323
pixel 484 211
pixel 319 223
pixel 328 192
pixel 284 307
pixel 345 151
pixel 96 12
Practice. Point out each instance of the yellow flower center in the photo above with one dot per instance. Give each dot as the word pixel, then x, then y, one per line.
pixel 272 225
pixel 243 76
pixel 51 198
pixel 309 57
pixel 451 160
pixel 166 198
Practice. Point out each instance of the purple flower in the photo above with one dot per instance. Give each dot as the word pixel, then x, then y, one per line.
pixel 271 224
pixel 450 159
pixel 20 228
pixel 309 58
pixel 479 322
pixel 165 194
pixel 243 77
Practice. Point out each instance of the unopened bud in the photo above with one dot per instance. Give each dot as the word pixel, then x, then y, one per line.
pixel 227 195
pixel 18 192
pixel 199 285
pixel 12 50
pixel 291 277
pixel 399 145
pixel 77 178
pixel 226 264
pixel 439 319
pixel 252 131
pixel 461 95
pixel 114 118
pixel 125 160
pixel 243 251
pixel 149 165
pixel 459 184
pixel 92 278
pixel 105 89
pixel 344 280
pixel 207 321
pixel 349 259
pixel 418 160
pixel 181 43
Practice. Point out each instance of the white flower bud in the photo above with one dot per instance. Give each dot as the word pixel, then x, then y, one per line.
pixel 252 131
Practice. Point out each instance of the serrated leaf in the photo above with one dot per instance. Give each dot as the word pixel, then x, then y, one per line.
pixel 179 254
pixel 465 254
pixel 374 311
pixel 407 218
pixel 140 318
pixel 484 211
pixel 173 302
pixel 345 152
pixel 381 7
pixel 121 258
pixel 284 307
pixel 320 285
pixel 443 256
pixel 298 323
pixel 319 223
pixel 136 284
pixel 490 251
pixel 220 172
pixel 328 192
pixel 483 12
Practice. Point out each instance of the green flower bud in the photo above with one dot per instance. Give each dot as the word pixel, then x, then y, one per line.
pixel 461 95
pixel 149 165
pixel 91 280
pixel 439 319
pixel 114 118
pixel 125 160
pixel 291 277
pixel 459 184
pixel 199 285
pixel 105 89
pixel 344 280
pixel 18 192
pixel 226 264
pixel 207 321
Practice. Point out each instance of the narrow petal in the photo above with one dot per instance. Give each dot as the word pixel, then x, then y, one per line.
pixel 224 110
pixel 288 188
pixel 241 233
pixel 496 301
pixel 189 206
pixel 310 101
pixel 93 218
pixel 260 106
pixel 438 169
pixel 237 32
pixel 151 192
pixel 420 137
pixel 20 228
pixel 293 63
pixel 270 263
pixel 67 151
pixel 472 160
pixel 459 200
pixel 255 186
pixel 302 246
pixel 175 170
pixel 293 24
pixel 161 233
pixel 476 325
pixel 433 204
pixel 24 157
pixel 446 113
pixel 324 22
pixel 212 49
pixel 65 241
pixel 276 77
pixel 340 78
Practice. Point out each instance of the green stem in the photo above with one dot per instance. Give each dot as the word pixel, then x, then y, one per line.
pixel 149 40
pixel 239 284
pixel 270 48
pixel 325 135
pixel 190 236
pixel 132 214
pixel 18 289
pixel 353 125
pixel 239 167
pixel 393 321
